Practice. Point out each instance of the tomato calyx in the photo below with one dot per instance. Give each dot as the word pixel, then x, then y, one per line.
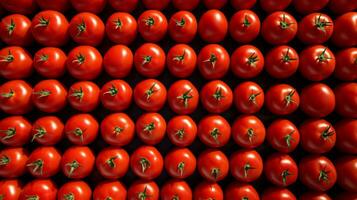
pixel 37 166
pixel 322 57
pixel 181 168
pixel 180 23
pixel 42 22
pixel 175 197
pixel 250 134
pixel 108 198
pixel 8 58
pixel 327 133
pixel 111 162
pixel 212 60
pixel 185 97
pixel 180 133
pixel 72 167
pixel 149 21
pixel 323 176
pixel 286 58
pixel 246 169
pixel 284 24
pixel 289 98
pixel 149 127
pixel 4 160
pixel 319 24
pixel 215 172
pixel 117 130
pixel 42 93
pixel 245 198
pixel 78 132
pixel 2 196
pixel 34 197
pixel 40 132
pixel 42 58
pixel 69 196
pixel 9 133
pixel 118 24
pixel 180 58
pixel 284 175
pixel 246 22
pixel 79 59
pixel 8 95
pixel 146 59
pixel 253 97
pixel 78 94
pixel 214 134
pixel 150 91
pixel 112 91
pixel 289 138
pixel 81 28
pixel 218 94
pixel 143 195
pixel 252 59
pixel 145 164
pixel 10 27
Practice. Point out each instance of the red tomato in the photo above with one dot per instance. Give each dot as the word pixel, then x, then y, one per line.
pixel 93 6
pixel 345 141
pixel 12 162
pixel 213 165
pixel 39 189
pixel 151 128
pixel 244 26
pixel 314 196
pixel 149 60
pixel 10 189
pixel 75 190
pixel 118 61
pixel 213 26
pixel 152 25
pixel 307 6
pixel 242 191
pixel 77 162
pixel 216 96
pixel 110 189
pixel 15 131
pixel 277 194
pixel 214 131
pixel 49 96
pixel 248 131
pixel 24 7
pixel 44 162
pixel 283 135
pixel 15 30
pixel 146 162
pixel 247 61
pixel 346 101
pixel 81 129
pixel 345 30
pixel 279 28
pixel 181 60
pixel 142 189
pixel 213 4
pixel 208 190
pixel 150 95
pixel 317 172
pixel 347 195
pixel 185 5
pixel 15 63
pixel 345 64
pixel 155 4
pixel 346 168
pixel 342 6
pixel 270 6
pixel 47 130
pixel 213 61
pixel 280 169
pixel 50 62
pixel 315 28
pixel 116 95
pixel 317 100
pixel 84 96
pixel 180 163
pixel 112 163
pixel 175 189
pixel 183 27
pixel 181 130
pixel 246 165
pixel 248 97
pixel 123 5
pixel 15 97
pixel 58 5
pixel 183 97
pixel 121 28
pixel 243 4
pixel 281 62
pixel 282 99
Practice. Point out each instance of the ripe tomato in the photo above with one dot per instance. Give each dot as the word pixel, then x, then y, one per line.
pixel 281 62
pixel 12 162
pixel 314 196
pixel 44 162
pixel 175 189
pixel 121 28
pixel 155 4
pixel 208 190
pixel 279 28
pixel 39 189
pixel 93 6
pixel 58 5
pixel 149 60
pixel 181 130
pixel 244 26
pixel 247 61
pixel 75 190
pixel 116 95
pixel 280 169
pixel 317 100
pixel 213 61
pixel 15 63
pixel 123 5
pixel 180 163
pixel 181 60
pixel 15 97
pixel 345 167
pixel 246 165
pixel 50 62
pixel 15 30
pixel 47 130
pixel 142 189
pixel 342 6
pixel 151 128
pixel 150 95
pixel 112 163
pixel 183 97
pixel 10 189
pixel 185 5
pixel 270 6
pixel 242 191
pixel 110 189
pixel 86 29
pixel 346 102
pixel 212 4
pixel 213 26
pixel 283 135
pixel 307 6
pixel 152 25
pixel 216 96
pixel 248 131
pixel 317 172
pixel 118 61
pixel 278 194
pixel 243 4
pixel 84 96
pixel 24 7
pixel 248 97
pixel 15 131
pixel 345 140
pixel 49 96
pixel 213 165
pixel 282 99
pixel 81 129
pixel 315 28
pixel 183 27
pixel 77 162
pixel 146 162
pixel 345 31
pixel 345 64
pixel 117 129
pixel 214 131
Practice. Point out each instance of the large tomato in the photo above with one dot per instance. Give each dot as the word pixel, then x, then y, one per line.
pixel 146 162
pixel 246 165
pixel 121 28
pixel 216 96
pixel 180 163
pixel 243 4
pixel 116 95
pixel 248 131
pixel 181 60
pixel 345 140
pixel 77 162
pixel 110 189
pixel 24 7
pixel 213 26
pixel 183 97
pixel 242 191
pixel 208 190
pixel 44 162
pixel 346 100
pixel 345 31
pixel 84 96
pixel 81 129
pixel 282 99
pixel 39 189
pixel 10 189
pixel 346 168
pixel 183 27
pixel 50 62
pixel 248 97
pixel 315 28
pixel 314 196
pixel 124 5
pixel 15 131
pixel 112 162
pixel 58 5
pixel 150 128
pixel 214 131
pixel 149 60
pixel 281 62
pixel 15 97
pixel 15 63
pixel 181 130
pixel 342 6
pixel 152 25
pixel 307 6
pixel 283 135
pixel 13 162
pixel 345 64
pixel 274 5
pixel 75 190
pixel 15 30
pixel 47 130
pixel 93 6
pixel 147 190
pixel 280 169
pixel 175 189
pixel 213 165
pixel 244 26
pixel 118 61
pixel 150 95
pixel 277 194
pixel 185 5
pixel 247 61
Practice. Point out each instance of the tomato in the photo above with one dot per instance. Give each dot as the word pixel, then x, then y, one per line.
pixel 277 194
pixel 213 61
pixel 12 162
pixel 151 128
pixel 84 96
pixel 243 4
pixel 110 189
pixel 248 131
pixel 345 167
pixel 152 25
pixel 282 99
pixel 317 100
pixel 50 62
pixel 10 189
pixel 342 6
pixel 345 63
pixel 213 165
pixel 123 5
pixel 15 63
pixel 75 190
pixel 15 131
pixel 49 96
pixel 214 131
pixel 15 30
pixel 183 97
pixel 181 130
pixel 81 129
pixel 346 101
pixel 270 6
pixel 118 61
pixel 146 162
pixel 281 62
pixel 345 30
pixel 180 163
pixel 116 95
pixel 307 6
pixel 121 28
pixel 77 162
pixel 44 162
pixel 39 189
pixel 175 189
pixel 283 135
pixel 247 61
pixel 24 7
pixel 117 129
pixel 182 27
pixel 93 6
pixel 213 26
pixel 212 4
pixel 15 97
pixel 216 96
pixel 279 28
pixel 280 169
pixel 150 95
pixel 246 165
pixel 208 190
pixel 149 60
pixel 112 163
pixel 347 195
pixel 345 141
pixel 314 196
pixel 142 189
pixel 242 191
pixel 181 60
pixel 317 172
pixel 185 5
pixel 47 130
pixel 58 5
pixel 155 4
pixel 244 26
pixel 248 97
pixel 315 28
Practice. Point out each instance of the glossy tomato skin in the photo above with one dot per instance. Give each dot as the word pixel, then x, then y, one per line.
pixel 345 62
pixel 15 30
pixel 208 190
pixel 183 27
pixel 342 6
pixel 213 26
pixel 15 97
pixel 183 97
pixel 216 96
pixel 118 61
pixel 112 162
pixel 49 96
pixel 44 162
pixel 212 4
pixel 13 162
pixel 345 167
pixel 116 95
pixel 175 188
pixel 214 131
pixel 180 163
pixel 315 28
pixel 181 60
pixel 185 5
pixel 181 130
pixel 150 95
pixel 15 131
pixel 123 5
pixel 77 162
pixel 278 194
pixel 155 4
pixel 50 62
pixel 345 141
pixel 306 6
pixel 47 130
pixel 143 189
pixel 213 61
pixel 345 30
pixel 281 62
pixel 24 7
pixel 10 189
pixel 58 5
pixel 93 6
pixel 81 129
pixel 110 189
pixel 346 104
pixel 15 63
pixel 213 165
pixel 146 162
pixel 314 196
pixel 244 26
pixel 243 4
pixel 270 6
pixel 84 96
pixel 237 190
pixel 280 169
pixel 152 25
pixel 75 190
pixel 40 189
pixel 282 99
pixel 121 28
pixel 149 60
pixel 247 61
pixel 246 165
pixel 151 128
pixel 283 135
pixel 248 131
pixel 248 97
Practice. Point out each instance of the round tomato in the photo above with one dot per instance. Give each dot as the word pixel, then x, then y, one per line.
pixel 346 195
pixel 93 6
pixel 281 62
pixel 183 27
pixel 345 31
pixel 346 101
pixel 152 25
pixel 151 128
pixel 208 190
pixel 123 5
pixel 247 61
pixel 213 26
pixel 213 61
pixel 39 189
pixel 118 61
pixel 24 7
pixel 155 4
pixel 81 129
pixel 185 5
pixel 246 165
pixel 146 162
pixel 149 60
pixel 181 60
pixel 150 95
pixel 280 169
pixel 283 135
pixel 112 163
pixel 147 190
pixel 277 194
pixel 270 6
pixel 15 97
pixel 345 63
pixel 315 28
pixel 77 162
pixel 116 95
pixel 216 96
pixel 47 130
pixel 307 6
pixel 242 191
pixel 84 96
pixel 214 131
pixel 248 131
pixel 248 97
pixel 180 163
pixel 44 162
pixel 15 63
pixel 243 4
pixel 314 196
pixel 11 189
pixel 15 30
pixel 13 162
pixel 58 5
pixel 342 6
pixel 213 4
pixel 181 130
pixel 282 99
pixel 346 168
pixel 15 131
pixel 110 190
pixel 75 190
pixel 345 140
pixel 183 97
pixel 121 28
pixel 213 165
pixel 50 62
pixel 244 26
pixel 175 189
